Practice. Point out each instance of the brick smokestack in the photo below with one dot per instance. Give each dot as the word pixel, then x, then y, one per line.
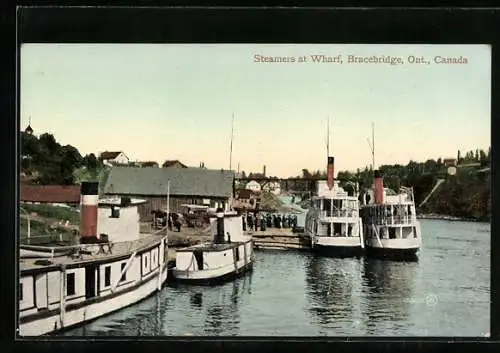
pixel 264 171
pixel 379 187
pixel 89 200
pixel 330 169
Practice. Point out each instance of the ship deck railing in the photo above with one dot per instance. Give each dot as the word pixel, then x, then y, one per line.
pixel 85 252
pixel 394 220
pixel 339 213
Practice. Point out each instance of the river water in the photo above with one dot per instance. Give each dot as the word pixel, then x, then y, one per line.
pixel 290 293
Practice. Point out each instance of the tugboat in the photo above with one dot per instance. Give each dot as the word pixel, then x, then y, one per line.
pixel 332 222
pixel 113 266
pixel 229 255
pixel 390 222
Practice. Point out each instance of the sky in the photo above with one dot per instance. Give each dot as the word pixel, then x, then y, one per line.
pixel 176 101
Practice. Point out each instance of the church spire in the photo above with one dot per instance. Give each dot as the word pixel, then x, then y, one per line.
pixel 29 129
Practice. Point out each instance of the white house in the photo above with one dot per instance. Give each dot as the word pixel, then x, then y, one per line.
pixel 273 187
pixel 253 185
pixel 113 158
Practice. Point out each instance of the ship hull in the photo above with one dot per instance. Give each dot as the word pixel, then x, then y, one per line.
pixel 409 254
pixel 199 278
pixel 338 251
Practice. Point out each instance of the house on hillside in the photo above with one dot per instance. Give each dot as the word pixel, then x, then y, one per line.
pixel 60 194
pixel 450 162
pixel 245 200
pixel 173 164
pixel 253 185
pixel 272 187
pixel 113 158
pixel 196 186
pixel 148 164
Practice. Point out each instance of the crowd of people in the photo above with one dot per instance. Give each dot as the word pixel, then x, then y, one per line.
pixel 255 221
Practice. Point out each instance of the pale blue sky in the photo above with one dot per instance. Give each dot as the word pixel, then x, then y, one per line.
pixel 172 101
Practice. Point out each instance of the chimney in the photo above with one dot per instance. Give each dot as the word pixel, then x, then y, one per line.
pixel 330 172
pixel 219 234
pixel 378 187
pixel 264 171
pixel 89 200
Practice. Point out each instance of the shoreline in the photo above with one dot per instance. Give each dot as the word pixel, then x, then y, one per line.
pixel 441 217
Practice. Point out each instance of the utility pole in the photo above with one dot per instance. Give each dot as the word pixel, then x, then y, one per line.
pixel 231 147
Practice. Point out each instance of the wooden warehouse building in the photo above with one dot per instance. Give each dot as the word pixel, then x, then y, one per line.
pixel 198 186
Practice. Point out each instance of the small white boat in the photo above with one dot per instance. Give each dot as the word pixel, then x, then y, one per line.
pixel 390 222
pixel 332 222
pixel 229 255
pixel 114 266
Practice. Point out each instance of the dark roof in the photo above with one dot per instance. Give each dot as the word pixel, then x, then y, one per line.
pixel 28 129
pixel 108 155
pixel 244 193
pixel 50 193
pixel 183 181
pixel 148 164
pixel 170 163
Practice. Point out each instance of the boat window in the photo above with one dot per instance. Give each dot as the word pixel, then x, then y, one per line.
pixel 107 276
pixel 327 205
pixel 70 284
pixel 409 209
pixel 124 276
pixel 414 232
pixel 238 254
pixel 392 233
pixel 115 212
pixel 337 228
pixel 20 291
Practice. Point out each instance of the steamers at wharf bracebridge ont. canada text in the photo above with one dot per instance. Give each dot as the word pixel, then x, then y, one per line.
pixel 353 59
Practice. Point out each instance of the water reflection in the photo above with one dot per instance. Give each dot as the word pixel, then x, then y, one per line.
pixel 196 300
pixel 388 294
pixel 332 285
pixel 222 315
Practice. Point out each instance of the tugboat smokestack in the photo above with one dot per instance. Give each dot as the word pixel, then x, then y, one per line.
pixel 379 187
pixel 89 200
pixel 330 172
pixel 219 234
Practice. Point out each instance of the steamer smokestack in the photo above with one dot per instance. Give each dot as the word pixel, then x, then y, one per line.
pixel 89 200
pixel 330 172
pixel 219 234
pixel 379 187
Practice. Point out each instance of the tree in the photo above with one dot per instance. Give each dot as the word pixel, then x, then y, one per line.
pixel 483 158
pixel 306 174
pixel 90 161
pixel 49 142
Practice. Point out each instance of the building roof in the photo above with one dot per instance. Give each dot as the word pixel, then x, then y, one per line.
pixel 151 181
pixel 50 193
pixel 108 155
pixel 28 130
pixel 244 193
pixel 170 163
pixel 148 164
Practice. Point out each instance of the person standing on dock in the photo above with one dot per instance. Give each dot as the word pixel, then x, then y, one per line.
pixel 169 222
pixel 250 221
